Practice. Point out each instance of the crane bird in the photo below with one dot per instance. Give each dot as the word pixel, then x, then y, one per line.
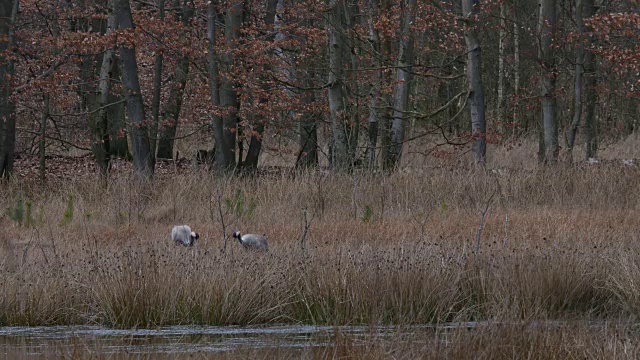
pixel 182 234
pixel 252 241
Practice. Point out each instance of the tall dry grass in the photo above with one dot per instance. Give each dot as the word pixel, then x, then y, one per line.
pixel 556 244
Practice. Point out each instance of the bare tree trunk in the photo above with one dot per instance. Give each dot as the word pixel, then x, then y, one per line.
pixel 43 138
pixel 577 88
pixel 222 155
pixel 452 90
pixel 117 123
pixel 174 103
pixel 88 91
pixel 308 156
pixel 172 112
pixel 403 80
pixel 142 158
pixel 255 144
pixel 374 40
pixel 100 124
pixel 373 122
pixel 8 15
pixel 516 66
pixel 384 125
pixel 157 88
pixel 476 89
pixel 352 129
pixel 336 94
pixel 591 96
pixel 547 31
pixel 228 95
pixel 502 45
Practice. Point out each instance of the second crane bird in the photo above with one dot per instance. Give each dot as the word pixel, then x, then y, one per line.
pixel 252 241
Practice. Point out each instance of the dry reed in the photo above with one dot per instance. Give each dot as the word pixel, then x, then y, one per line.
pixel 556 244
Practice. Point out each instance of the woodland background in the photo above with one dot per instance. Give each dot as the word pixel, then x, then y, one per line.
pixel 339 83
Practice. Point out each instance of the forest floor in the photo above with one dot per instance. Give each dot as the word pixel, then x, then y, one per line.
pixel 547 259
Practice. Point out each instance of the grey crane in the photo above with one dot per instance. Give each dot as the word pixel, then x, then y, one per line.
pixel 183 235
pixel 252 241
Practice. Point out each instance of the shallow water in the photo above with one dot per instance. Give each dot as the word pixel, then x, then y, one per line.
pixel 170 342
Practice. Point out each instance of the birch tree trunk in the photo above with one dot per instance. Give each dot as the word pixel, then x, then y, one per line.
pixel 142 157
pixel 8 14
pixel 476 89
pixel 157 88
pixel 547 31
pixel 403 80
pixel 174 103
pixel 591 96
pixel 339 157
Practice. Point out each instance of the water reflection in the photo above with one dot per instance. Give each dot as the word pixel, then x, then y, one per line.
pixel 168 342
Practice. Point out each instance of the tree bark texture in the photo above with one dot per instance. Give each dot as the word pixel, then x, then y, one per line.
pixel 372 129
pixel 222 157
pixel 8 13
pixel 547 31
pixel 255 144
pixel 308 155
pixel 100 121
pixel 403 80
pixel 171 115
pixel 42 143
pixel 142 157
pixel 502 45
pixel 579 75
pixel 476 88
pixel 339 157
pixel 228 96
pixel 516 67
pixel 88 91
pixel 591 96
pixel 384 113
pixel 117 122
pixel 157 88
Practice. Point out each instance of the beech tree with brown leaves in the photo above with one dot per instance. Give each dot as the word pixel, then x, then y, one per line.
pixel 306 78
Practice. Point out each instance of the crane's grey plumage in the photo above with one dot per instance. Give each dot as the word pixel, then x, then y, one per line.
pixel 183 235
pixel 252 241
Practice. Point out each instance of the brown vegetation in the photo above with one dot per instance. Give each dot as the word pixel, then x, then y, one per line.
pixel 557 244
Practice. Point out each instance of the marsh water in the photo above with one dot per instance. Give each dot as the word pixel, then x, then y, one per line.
pixel 170 342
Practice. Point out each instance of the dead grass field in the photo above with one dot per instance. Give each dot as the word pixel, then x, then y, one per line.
pixel 557 244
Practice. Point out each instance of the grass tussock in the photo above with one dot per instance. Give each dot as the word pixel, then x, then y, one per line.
pixel 556 244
